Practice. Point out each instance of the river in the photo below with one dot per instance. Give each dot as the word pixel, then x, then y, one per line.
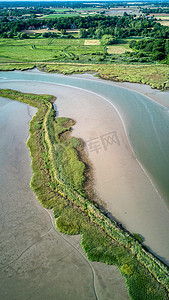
pixel 146 125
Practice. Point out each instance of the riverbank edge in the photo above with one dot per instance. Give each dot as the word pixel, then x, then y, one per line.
pixel 78 199
pixel 152 75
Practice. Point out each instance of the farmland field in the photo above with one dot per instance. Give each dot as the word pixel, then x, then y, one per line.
pixel 47 50
pixel 91 42
pixel 118 49
pixel 64 14
pixel 62 50
pixel 61 9
pixel 165 22
pixel 69 56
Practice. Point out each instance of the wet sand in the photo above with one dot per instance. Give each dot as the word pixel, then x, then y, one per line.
pixel 124 189
pixel 37 262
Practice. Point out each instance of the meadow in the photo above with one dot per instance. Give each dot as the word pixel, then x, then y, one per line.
pixel 38 49
pixel 69 12
pixel 59 15
pixel 74 55
pixel 49 49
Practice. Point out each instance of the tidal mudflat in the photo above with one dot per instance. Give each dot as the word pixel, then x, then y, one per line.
pixel 124 189
pixel 37 262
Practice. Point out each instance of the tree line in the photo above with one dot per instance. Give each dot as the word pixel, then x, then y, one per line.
pixel 93 26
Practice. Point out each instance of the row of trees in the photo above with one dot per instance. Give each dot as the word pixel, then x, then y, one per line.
pixel 93 26
pixel 15 12
pixel 158 10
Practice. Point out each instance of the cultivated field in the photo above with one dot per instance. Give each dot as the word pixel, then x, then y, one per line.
pixel 52 16
pixel 117 49
pixel 91 42
pixel 37 49
pixel 165 23
pixel 49 49
pixel 34 31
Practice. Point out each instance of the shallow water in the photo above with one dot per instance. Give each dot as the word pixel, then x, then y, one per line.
pixel 36 261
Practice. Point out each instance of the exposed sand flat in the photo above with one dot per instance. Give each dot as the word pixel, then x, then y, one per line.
pixel 124 189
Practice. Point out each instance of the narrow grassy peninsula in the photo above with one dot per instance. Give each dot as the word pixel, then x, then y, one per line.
pixel 59 180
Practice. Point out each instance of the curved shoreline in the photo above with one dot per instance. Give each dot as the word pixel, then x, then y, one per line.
pixel 131 86
pixel 115 213
pixel 122 121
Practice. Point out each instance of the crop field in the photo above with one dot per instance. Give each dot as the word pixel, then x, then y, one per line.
pixel 118 49
pixel 59 15
pixel 88 9
pixel 61 9
pixel 91 42
pixel 37 50
pixel 69 12
pixel 165 22
pixel 34 31
pixel 161 16
pixel 61 50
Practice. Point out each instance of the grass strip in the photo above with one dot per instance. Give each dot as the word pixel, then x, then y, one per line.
pixel 58 181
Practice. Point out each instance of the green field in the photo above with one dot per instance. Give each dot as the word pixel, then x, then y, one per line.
pixel 89 9
pixel 69 56
pixel 59 15
pixel 62 50
pixel 61 9
pixel 49 49
pixel 65 12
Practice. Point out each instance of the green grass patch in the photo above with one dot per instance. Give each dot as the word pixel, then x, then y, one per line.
pixel 58 188
pixel 59 15
pixel 70 56
pixel 40 49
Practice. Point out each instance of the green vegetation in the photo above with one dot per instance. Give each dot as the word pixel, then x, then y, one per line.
pixel 58 181
pixel 158 49
pixel 107 39
pixel 59 15
pixel 122 48
pixel 68 49
pixel 96 25
pixel 156 10
pixel 47 50
pixel 155 75
pixel 109 29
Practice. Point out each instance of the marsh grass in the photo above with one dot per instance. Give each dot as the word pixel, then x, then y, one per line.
pixel 102 239
pixel 154 75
